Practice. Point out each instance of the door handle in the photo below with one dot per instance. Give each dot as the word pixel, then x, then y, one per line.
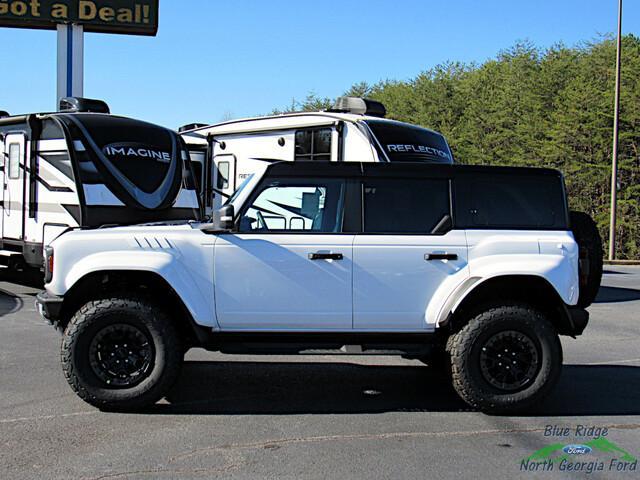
pixel 325 256
pixel 441 256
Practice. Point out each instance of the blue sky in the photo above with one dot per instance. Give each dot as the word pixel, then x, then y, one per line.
pixel 220 58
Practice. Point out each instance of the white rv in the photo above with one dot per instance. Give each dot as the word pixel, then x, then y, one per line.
pixel 227 153
pixel 84 168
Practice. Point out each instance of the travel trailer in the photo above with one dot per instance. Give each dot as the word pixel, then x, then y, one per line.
pixel 82 167
pixel 227 153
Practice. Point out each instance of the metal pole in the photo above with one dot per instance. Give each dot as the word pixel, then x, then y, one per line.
pixel 70 61
pixel 614 160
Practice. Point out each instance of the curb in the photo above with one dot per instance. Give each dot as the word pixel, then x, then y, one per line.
pixel 622 262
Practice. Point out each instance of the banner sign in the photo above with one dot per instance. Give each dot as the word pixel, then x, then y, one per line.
pixel 133 17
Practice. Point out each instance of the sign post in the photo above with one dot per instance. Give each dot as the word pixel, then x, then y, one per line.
pixel 71 18
pixel 70 61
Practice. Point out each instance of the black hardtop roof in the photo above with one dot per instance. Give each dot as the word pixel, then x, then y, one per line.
pixel 398 169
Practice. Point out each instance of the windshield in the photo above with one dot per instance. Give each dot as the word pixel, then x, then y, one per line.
pixel 239 190
pixel 408 143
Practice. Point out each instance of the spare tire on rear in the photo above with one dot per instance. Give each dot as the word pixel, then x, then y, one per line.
pixel 586 233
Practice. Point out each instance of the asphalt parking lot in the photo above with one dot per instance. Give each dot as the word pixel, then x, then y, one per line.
pixel 315 417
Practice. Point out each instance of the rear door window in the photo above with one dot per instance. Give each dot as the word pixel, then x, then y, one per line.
pixel 413 206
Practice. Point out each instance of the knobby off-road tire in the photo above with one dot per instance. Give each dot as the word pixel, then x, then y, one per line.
pixel 478 372
pixel 586 234
pixel 98 341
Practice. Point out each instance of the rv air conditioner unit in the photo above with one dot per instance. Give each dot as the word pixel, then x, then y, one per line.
pixel 77 104
pixel 191 126
pixel 359 106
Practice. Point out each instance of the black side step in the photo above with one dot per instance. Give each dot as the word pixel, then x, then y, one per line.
pixel 411 345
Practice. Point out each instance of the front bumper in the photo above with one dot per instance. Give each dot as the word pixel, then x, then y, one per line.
pixel 579 318
pixel 49 306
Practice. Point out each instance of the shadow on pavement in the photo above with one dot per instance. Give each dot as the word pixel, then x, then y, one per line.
pixel 613 272
pixel 616 295
pixel 595 390
pixel 254 388
pixel 293 388
pixel 9 303
pixel 29 277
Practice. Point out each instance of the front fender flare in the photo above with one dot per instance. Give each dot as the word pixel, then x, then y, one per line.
pixel 162 263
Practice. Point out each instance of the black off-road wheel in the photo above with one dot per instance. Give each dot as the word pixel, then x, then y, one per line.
pixel 505 359
pixel 121 353
pixel 587 236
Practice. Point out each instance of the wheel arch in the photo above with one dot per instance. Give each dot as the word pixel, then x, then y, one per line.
pixel 534 290
pixel 148 284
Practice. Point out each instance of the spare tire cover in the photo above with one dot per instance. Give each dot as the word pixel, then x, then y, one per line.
pixel 586 234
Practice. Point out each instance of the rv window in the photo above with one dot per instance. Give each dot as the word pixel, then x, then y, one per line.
pixel 14 160
pixel 409 143
pixel 223 175
pixel 405 205
pixel 313 144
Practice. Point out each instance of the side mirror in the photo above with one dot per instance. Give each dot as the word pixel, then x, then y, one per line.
pixel 222 221
pixel 223 218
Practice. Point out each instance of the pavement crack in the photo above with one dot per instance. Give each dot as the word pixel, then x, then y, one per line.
pixel 46 417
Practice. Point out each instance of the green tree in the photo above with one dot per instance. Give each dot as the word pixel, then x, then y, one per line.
pixel 534 107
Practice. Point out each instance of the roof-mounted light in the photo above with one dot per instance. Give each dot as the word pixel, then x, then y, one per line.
pixel 78 104
pixel 359 106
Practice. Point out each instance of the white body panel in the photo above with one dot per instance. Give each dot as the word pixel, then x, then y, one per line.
pixel 181 255
pixel 550 255
pixel 267 281
pixel 394 284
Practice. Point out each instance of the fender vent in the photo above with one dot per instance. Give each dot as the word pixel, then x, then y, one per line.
pixel 153 243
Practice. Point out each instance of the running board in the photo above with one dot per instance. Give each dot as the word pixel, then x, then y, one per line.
pixel 412 345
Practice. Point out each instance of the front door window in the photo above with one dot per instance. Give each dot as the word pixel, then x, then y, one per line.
pixel 296 206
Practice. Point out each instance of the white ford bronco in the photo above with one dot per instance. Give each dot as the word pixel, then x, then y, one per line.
pixel 475 269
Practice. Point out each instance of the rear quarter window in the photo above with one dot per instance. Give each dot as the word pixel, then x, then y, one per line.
pixel 511 201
